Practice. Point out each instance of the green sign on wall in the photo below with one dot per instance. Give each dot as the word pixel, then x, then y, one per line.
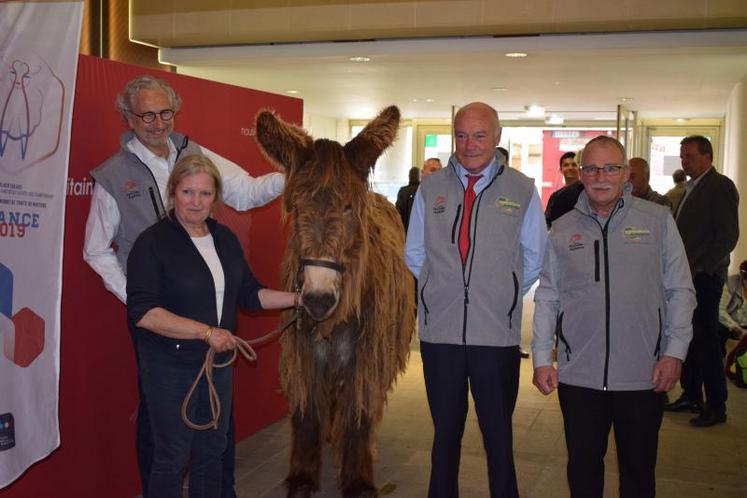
pixel 431 139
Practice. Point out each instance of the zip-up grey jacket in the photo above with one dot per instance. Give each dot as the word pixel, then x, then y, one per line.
pixel 135 191
pixel 478 303
pixel 619 294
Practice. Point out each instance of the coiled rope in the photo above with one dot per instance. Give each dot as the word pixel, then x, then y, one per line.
pixel 244 347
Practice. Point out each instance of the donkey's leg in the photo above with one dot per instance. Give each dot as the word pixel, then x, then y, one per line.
pixel 356 466
pixel 306 455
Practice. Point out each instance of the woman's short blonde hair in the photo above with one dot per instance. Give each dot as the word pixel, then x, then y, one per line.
pixel 191 165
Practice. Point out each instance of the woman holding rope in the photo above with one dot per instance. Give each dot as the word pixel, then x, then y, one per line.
pixel 186 277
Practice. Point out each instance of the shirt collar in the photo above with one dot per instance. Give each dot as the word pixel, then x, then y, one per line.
pixel 146 155
pixel 487 174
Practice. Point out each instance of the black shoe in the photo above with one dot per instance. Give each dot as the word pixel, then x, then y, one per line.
pixel 708 418
pixel 682 405
pixel 524 353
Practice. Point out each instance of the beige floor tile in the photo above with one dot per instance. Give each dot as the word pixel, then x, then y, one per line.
pixel 693 463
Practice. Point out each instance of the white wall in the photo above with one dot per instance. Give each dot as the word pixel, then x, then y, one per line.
pixel 735 162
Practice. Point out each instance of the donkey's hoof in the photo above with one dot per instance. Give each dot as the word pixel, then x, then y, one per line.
pixel 359 489
pixel 300 487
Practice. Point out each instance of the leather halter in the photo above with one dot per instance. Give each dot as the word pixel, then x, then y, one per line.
pixel 332 265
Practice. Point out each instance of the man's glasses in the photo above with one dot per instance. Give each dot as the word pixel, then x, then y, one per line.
pixel 149 117
pixel 607 169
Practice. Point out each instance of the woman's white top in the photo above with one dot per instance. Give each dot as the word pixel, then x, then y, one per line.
pixel 206 247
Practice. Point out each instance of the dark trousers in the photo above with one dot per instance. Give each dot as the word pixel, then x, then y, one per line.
pixel 165 381
pixel 492 375
pixel 588 415
pixel 144 448
pixel 704 366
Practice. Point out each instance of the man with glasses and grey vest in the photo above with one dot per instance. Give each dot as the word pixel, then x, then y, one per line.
pixel 129 196
pixel 616 294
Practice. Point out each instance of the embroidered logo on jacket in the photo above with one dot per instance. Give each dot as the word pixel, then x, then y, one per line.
pixel 440 205
pixel 575 243
pixel 131 190
pixel 633 234
pixel 507 205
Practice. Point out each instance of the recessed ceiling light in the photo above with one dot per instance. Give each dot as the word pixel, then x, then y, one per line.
pixel 429 100
pixel 499 89
pixel 414 100
pixel 535 111
pixel 293 92
pixel 626 99
pixel 360 58
pixel 554 119
pixel 516 55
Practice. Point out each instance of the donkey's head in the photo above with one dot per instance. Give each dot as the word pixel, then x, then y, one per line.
pixel 326 196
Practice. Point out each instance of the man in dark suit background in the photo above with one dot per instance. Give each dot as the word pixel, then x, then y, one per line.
pixel 406 195
pixel 707 219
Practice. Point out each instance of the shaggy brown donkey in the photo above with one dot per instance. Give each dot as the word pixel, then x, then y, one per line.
pixel 346 255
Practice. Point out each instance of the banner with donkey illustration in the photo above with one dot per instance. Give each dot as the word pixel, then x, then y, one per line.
pixel 38 59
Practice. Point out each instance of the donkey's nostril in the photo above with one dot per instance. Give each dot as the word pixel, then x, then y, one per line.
pixel 319 305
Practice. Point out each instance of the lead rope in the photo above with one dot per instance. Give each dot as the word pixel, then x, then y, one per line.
pixel 245 348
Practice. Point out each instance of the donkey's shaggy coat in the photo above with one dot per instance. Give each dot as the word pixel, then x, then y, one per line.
pixel 345 253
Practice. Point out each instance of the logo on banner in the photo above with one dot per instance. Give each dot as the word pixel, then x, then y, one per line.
pixel 31 107
pixel 22 333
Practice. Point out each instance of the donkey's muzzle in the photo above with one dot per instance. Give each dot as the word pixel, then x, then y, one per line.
pixel 319 305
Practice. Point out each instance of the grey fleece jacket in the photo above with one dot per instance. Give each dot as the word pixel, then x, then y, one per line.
pixel 619 293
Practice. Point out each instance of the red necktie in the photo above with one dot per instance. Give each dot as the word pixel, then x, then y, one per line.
pixel 469 199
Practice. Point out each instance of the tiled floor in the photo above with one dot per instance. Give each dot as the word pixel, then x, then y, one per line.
pixel 693 463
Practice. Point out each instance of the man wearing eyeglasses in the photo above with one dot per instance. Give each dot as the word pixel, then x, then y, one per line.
pixel 616 286
pixel 130 194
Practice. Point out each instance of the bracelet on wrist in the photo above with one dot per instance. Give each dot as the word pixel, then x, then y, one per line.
pixel 207 334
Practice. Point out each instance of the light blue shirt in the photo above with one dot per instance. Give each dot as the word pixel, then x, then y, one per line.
pixel 533 235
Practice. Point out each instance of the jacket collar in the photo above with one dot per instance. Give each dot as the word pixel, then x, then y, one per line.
pixel 623 202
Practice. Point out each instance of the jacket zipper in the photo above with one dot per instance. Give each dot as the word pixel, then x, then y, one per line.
pixel 561 337
pixel 658 339
pixel 456 222
pixel 422 300
pixel 515 300
pixel 596 260
pixel 155 203
pixel 606 305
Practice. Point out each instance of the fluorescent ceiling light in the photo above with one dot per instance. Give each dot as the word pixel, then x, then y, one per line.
pixel 360 58
pixel 516 55
pixel 554 119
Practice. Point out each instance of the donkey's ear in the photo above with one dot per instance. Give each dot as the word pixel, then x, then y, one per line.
pixel 284 144
pixel 363 151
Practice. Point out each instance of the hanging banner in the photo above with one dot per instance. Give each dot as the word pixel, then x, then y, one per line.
pixel 39 44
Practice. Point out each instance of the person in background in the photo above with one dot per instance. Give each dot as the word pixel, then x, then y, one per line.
pixel 503 153
pixel 406 195
pixel 708 220
pixel 622 334
pixel 640 175
pixel 732 308
pixel 130 195
pixel 562 200
pixel 431 165
pixel 675 193
pixel 475 244
pixel 186 278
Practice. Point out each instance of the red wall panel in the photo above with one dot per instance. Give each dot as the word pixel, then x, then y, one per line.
pixel 98 392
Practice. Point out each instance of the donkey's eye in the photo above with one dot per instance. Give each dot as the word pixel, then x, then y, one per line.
pixel 348 209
